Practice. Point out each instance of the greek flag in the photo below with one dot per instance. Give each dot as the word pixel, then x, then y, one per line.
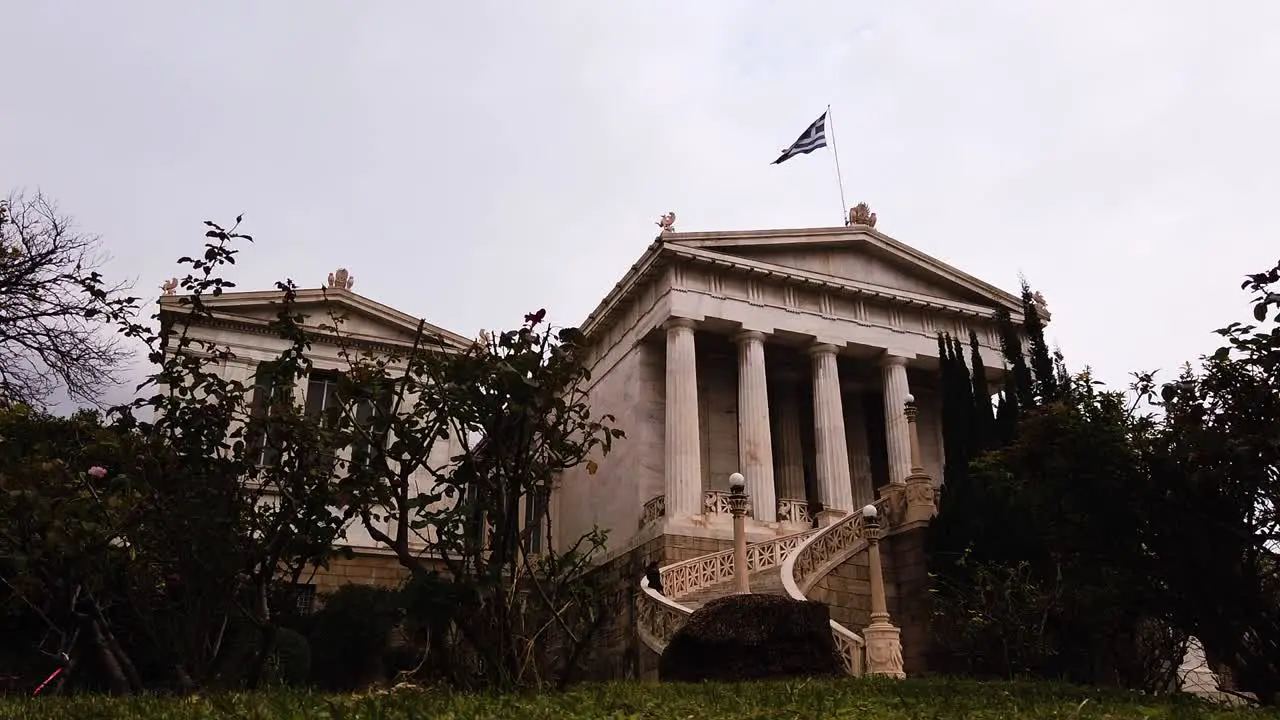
pixel 812 139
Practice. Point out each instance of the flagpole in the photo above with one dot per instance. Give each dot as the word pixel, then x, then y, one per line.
pixel 836 154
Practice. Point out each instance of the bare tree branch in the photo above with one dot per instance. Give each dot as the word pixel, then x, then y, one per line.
pixel 54 307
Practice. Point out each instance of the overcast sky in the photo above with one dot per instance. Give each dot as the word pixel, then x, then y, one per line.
pixel 470 161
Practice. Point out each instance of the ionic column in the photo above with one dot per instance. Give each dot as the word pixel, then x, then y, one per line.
pixel 755 447
pixel 894 376
pixel 863 488
pixel 684 453
pixel 828 429
pixel 790 465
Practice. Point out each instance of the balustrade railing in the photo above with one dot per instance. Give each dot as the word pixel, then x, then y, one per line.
pixel 821 553
pixel 714 502
pixel 792 510
pixel 654 509
pixel 659 616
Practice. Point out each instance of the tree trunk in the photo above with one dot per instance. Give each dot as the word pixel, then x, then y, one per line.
pixel 126 665
pixel 110 663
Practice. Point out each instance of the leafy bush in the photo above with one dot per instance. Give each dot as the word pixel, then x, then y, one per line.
pixel 349 636
pixel 752 637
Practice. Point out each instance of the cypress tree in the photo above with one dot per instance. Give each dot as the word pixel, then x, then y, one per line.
pixel 1042 366
pixel 983 421
pixel 1007 415
pixel 1019 382
pixel 964 399
pixel 955 462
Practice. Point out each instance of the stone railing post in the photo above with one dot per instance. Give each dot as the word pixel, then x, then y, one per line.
pixel 921 498
pixel 884 642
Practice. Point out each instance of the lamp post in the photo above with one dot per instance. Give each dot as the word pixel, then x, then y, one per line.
pixel 738 506
pixel 922 502
pixel 884 644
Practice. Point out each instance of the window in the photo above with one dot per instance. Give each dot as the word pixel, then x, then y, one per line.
pixel 537 519
pixel 367 411
pixel 271 390
pixel 325 401
pixel 304 599
pixel 322 396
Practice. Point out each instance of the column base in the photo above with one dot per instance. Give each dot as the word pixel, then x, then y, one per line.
pixel 884 649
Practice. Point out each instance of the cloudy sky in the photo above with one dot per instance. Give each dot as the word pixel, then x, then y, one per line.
pixel 470 161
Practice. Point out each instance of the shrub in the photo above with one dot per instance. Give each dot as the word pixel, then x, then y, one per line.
pixel 349 636
pixel 752 637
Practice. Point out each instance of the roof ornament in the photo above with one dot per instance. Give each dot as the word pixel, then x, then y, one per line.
pixel 1038 299
pixel 667 222
pixel 861 214
pixel 484 341
pixel 341 279
pixel 170 286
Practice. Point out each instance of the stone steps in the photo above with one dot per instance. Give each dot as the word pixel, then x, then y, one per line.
pixel 765 582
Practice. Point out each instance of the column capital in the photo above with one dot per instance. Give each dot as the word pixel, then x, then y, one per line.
pixel 749 335
pixel 823 349
pixel 679 322
pixel 888 360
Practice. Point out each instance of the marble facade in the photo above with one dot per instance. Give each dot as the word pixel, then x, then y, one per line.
pixel 785 355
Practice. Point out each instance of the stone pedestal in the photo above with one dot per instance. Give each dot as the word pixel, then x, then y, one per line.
pixel 884 649
pixel 921 502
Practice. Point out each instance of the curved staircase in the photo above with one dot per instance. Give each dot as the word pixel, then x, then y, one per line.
pixel 789 565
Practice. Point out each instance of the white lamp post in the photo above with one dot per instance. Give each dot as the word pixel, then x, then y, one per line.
pixel 884 646
pixel 738 506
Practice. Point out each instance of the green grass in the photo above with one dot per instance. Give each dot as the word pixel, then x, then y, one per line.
pixel 860 699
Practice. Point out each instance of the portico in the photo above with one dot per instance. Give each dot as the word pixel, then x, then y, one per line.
pixel 792 398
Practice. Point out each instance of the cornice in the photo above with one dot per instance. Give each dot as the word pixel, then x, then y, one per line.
pixel 250 327
pixel 341 298
pixel 635 274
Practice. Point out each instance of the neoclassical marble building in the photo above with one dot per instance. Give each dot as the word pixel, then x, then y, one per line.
pixel 241 322
pixel 788 356
pixel 782 354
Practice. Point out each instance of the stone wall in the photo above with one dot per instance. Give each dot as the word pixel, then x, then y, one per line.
pixel 633 391
pixel 846 590
pixel 906 568
pixel 379 570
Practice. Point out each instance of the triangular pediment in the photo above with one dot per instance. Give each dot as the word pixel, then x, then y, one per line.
pixel 361 319
pixel 859 254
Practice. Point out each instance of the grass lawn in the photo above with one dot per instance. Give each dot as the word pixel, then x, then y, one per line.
pixel 861 699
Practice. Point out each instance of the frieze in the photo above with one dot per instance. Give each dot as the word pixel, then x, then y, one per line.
pixel 883 309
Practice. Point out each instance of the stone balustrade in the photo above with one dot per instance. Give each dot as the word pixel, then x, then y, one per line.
pixel 659 616
pixel 714 502
pixel 654 509
pixel 795 511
